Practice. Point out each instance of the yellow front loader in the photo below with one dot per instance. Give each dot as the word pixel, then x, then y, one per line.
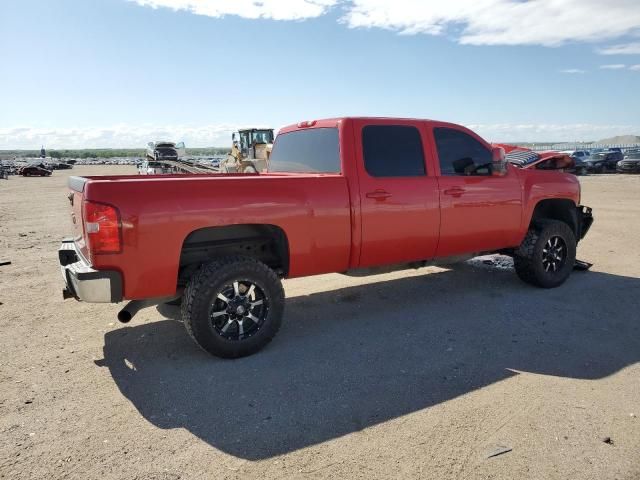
pixel 250 151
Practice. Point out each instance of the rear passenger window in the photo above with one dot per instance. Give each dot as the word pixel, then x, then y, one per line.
pixel 461 154
pixel 392 151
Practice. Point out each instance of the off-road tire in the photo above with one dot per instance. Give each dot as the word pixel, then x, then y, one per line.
pixel 202 290
pixel 176 302
pixel 528 258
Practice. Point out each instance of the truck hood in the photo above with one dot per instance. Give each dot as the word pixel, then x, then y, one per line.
pixel 526 158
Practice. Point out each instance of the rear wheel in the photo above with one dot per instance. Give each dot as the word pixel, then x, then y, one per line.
pixel 547 254
pixel 233 306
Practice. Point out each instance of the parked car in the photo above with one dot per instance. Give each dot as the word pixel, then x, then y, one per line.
pixel 579 157
pixel 61 166
pixel 165 151
pixel 347 195
pixel 151 168
pixel 603 161
pixel 34 171
pixel 629 164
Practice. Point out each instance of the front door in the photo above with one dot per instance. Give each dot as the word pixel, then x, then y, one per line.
pixel 480 212
pixel 400 213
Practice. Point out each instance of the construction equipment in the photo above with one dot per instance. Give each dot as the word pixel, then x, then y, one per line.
pixel 250 151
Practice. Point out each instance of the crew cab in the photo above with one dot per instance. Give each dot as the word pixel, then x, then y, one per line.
pixel 347 195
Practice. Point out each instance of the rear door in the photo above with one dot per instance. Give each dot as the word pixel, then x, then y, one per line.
pixel 400 213
pixel 480 211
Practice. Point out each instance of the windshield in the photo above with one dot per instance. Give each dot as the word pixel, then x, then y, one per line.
pixel 306 151
pixel 165 151
pixel 262 136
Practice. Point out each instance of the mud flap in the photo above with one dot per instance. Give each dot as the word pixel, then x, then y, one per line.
pixel 582 266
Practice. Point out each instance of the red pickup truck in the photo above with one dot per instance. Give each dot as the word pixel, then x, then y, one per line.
pixel 341 195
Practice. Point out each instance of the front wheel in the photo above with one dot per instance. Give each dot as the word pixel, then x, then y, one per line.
pixel 233 306
pixel 547 254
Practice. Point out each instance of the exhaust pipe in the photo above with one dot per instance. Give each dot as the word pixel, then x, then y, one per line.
pixel 130 309
pixel 134 306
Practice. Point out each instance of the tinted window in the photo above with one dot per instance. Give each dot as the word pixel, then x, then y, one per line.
pixel 392 151
pixel 306 151
pixel 461 154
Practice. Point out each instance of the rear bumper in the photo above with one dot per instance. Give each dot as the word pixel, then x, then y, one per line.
pixel 585 220
pixel 83 282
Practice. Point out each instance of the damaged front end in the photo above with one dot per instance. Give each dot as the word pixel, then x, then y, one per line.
pixel 585 220
pixel 548 160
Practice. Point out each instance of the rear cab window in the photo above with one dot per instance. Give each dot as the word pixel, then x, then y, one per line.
pixel 314 150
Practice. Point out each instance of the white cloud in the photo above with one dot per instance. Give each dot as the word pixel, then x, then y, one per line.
pixel 502 22
pixel 614 66
pixel 118 136
pixel 573 70
pixel 635 67
pixel 622 49
pixel 475 22
pixel 270 9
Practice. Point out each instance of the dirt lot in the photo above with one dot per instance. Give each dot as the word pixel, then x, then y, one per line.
pixel 418 374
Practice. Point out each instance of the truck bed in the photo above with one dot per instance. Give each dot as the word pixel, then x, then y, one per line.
pixel 159 212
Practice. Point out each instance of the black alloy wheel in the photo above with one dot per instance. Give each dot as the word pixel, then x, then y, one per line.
pixel 554 254
pixel 239 310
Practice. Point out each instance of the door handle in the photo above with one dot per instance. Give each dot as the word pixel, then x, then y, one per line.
pixel 454 192
pixel 378 194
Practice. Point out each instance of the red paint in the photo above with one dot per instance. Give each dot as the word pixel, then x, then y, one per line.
pixel 332 222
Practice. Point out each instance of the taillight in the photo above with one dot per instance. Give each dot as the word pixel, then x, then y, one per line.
pixel 102 228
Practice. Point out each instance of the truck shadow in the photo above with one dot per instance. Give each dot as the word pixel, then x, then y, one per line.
pixel 351 358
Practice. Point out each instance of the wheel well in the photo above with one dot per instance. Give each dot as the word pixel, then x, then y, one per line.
pixel 267 243
pixel 563 210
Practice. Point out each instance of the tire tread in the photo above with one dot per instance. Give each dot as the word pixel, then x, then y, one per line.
pixel 205 277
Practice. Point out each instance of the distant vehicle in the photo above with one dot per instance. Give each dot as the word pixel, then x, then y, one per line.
pixel 579 157
pixel 614 149
pixel 35 171
pixel 630 163
pixel 64 166
pixel 603 161
pixel 165 151
pixel 250 151
pixel 151 168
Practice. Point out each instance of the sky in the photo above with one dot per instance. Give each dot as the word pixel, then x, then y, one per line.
pixel 121 73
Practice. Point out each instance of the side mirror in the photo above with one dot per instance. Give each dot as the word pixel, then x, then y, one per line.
pixel 499 164
pixel 233 137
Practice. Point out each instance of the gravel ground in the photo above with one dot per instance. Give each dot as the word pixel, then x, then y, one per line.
pixel 416 374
